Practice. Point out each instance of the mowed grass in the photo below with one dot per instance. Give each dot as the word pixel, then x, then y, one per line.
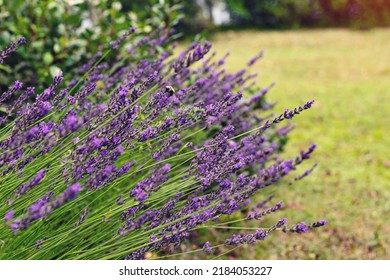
pixel 348 74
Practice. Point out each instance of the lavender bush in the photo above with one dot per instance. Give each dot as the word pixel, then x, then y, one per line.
pixel 134 157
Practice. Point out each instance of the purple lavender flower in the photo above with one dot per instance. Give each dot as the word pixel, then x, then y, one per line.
pixel 8 94
pixel 83 216
pixel 39 242
pixel 21 100
pixel 281 223
pixel 24 188
pixel 318 224
pixel 144 188
pixel 306 173
pixel 256 58
pixel 9 215
pixel 300 228
pixel 119 200
pixel 131 121
pixel 72 191
pixel 207 248
pixel 256 214
pixel 21 40
pixel 115 44
pixel 10 49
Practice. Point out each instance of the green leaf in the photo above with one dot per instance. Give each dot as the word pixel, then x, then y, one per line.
pixel 47 58
pixel 54 70
pixel 160 49
pixel 73 20
pixel 5 68
pixel 56 48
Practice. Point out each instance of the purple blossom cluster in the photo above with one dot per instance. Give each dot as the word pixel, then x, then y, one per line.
pixel 302 227
pixel 260 234
pixel 170 143
pixel 13 46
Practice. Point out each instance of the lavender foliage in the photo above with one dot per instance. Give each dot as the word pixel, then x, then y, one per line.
pixel 156 148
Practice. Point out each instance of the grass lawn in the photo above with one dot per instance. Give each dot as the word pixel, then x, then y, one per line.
pixel 348 74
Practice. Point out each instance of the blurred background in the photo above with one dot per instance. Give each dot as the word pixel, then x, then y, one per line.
pixel 334 51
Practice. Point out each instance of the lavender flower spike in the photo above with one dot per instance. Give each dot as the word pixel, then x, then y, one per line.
pixel 8 94
pixel 9 215
pixel 21 41
pixel 207 248
pixel 10 49
pixel 115 44
pixel 82 217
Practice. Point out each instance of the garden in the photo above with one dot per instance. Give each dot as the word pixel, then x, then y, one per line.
pixel 257 131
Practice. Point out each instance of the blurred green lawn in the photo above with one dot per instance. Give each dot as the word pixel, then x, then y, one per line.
pixel 348 74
